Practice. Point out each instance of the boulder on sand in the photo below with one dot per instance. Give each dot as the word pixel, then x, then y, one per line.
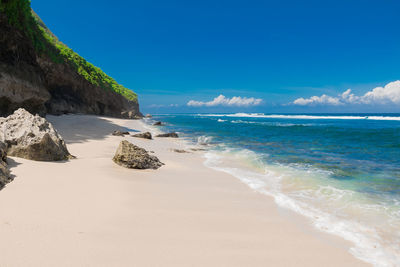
pixel 180 151
pixel 4 172
pixel 132 114
pixel 146 135
pixel 32 137
pixel 119 133
pixel 173 134
pixel 130 156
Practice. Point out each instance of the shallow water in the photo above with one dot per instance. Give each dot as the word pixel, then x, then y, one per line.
pixel 341 171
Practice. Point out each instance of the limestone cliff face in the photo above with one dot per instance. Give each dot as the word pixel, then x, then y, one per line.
pixel 71 93
pixel 38 83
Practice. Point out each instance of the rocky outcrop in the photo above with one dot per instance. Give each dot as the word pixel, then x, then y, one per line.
pixel 35 81
pixel 132 114
pixel 130 156
pixel 119 133
pixel 198 149
pixel 148 116
pixel 4 172
pixel 158 123
pixel 173 135
pixel 32 137
pixel 146 135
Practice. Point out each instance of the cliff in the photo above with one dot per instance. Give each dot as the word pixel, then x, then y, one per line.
pixel 43 75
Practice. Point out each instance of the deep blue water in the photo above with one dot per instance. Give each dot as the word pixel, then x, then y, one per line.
pixel 351 161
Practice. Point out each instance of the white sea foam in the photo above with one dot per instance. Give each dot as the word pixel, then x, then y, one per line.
pixel 269 123
pixel 384 118
pixel 303 117
pixel 204 140
pixel 368 245
pixel 220 120
pixel 147 124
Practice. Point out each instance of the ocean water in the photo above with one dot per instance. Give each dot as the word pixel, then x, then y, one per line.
pixel 341 171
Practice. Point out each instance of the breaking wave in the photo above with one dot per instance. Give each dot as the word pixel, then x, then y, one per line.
pixel 304 117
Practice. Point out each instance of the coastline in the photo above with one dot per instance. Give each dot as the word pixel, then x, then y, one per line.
pixel 92 212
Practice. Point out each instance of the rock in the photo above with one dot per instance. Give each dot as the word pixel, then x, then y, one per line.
pixel 119 133
pixel 148 116
pixel 173 134
pixel 158 123
pixel 131 115
pixel 198 149
pixel 130 156
pixel 32 137
pixel 4 172
pixel 180 151
pixel 145 135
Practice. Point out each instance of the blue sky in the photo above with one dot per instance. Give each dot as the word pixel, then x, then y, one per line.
pixel 172 52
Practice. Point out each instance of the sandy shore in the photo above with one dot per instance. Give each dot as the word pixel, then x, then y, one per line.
pixel 92 212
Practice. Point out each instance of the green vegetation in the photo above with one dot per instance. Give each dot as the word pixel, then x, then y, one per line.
pixel 21 16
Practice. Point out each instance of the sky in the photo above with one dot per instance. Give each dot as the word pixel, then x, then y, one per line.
pixel 240 56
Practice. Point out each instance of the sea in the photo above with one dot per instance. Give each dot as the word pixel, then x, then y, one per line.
pixel 341 171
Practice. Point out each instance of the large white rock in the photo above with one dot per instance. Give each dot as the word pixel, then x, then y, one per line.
pixel 32 137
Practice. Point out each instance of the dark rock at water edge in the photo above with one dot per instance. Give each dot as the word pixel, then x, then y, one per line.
pixel 119 133
pixel 32 137
pixel 158 123
pixel 146 135
pixel 180 151
pixel 130 156
pixel 173 135
pixel 4 172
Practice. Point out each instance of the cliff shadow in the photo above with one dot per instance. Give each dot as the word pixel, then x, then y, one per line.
pixel 81 128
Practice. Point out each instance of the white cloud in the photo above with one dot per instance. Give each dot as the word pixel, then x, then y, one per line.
pixel 390 93
pixel 324 99
pixel 221 100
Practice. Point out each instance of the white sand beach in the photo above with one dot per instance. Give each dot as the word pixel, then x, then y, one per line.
pixel 92 212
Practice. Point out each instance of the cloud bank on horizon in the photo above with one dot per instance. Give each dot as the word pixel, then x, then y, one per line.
pixel 221 100
pixel 387 97
pixel 389 94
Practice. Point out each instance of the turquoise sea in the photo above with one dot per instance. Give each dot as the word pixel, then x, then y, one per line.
pixel 342 171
